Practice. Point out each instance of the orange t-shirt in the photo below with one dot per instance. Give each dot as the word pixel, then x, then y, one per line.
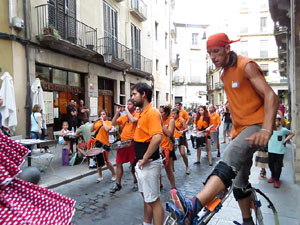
pixel 128 128
pixel 183 114
pixel 201 124
pixel 214 120
pixel 246 106
pixel 102 135
pixel 178 127
pixel 166 143
pixel 149 124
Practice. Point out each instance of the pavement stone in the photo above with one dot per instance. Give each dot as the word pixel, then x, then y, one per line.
pixel 126 206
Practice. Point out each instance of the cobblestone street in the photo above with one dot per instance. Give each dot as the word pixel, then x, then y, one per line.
pixel 96 205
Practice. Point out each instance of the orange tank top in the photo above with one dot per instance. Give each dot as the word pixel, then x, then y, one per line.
pixel 246 106
pixel 166 143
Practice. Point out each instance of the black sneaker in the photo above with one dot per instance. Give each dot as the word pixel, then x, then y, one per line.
pixel 116 187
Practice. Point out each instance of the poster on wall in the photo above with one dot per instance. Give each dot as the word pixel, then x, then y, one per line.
pixel 93 106
pixel 48 102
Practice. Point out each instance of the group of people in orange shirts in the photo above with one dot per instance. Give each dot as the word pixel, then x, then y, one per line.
pixel 150 138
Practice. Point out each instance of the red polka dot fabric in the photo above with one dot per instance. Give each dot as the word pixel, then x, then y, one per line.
pixel 22 202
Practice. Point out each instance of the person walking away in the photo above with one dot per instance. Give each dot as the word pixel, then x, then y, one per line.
pixel 125 154
pixel 201 125
pixel 253 107
pixel 168 126
pixel 103 126
pixel 214 131
pixel 147 138
pixel 36 128
pixel 180 128
pixel 227 125
pixel 183 114
pixel 83 112
pixel 276 150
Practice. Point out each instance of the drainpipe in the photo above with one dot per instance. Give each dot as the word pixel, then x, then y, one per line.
pixel 10 12
pixel 28 87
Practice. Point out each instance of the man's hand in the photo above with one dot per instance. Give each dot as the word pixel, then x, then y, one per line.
pixel 142 162
pixel 260 138
pixel 119 109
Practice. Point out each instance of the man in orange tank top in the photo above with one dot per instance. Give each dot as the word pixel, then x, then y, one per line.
pixel 253 106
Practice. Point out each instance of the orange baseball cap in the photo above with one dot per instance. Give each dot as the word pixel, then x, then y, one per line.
pixel 218 40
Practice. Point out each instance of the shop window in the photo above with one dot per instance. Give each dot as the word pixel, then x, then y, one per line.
pixel 74 79
pixel 43 73
pixel 60 77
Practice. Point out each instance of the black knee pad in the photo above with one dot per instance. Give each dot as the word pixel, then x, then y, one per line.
pixel 224 172
pixel 240 193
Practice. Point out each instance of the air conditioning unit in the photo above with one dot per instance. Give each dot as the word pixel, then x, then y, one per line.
pixel 18 23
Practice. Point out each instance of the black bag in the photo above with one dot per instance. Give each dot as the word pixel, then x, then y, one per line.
pixel 44 132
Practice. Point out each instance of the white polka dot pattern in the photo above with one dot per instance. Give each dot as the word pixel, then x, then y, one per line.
pixel 22 202
pixel 21 150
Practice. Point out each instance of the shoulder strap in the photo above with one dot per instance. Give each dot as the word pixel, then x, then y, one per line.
pixel 34 118
pixel 96 133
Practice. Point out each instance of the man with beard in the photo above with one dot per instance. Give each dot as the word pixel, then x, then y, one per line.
pixel 253 107
pixel 147 138
pixel 125 154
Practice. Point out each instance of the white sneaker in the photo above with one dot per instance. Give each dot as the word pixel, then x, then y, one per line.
pixel 99 179
pixel 188 171
pixel 113 179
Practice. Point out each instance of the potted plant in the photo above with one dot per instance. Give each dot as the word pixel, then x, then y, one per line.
pixel 49 30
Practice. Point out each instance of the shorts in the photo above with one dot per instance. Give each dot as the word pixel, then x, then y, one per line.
pixel 239 156
pixel 227 126
pixel 148 180
pixel 102 158
pixel 173 155
pixel 181 141
pixel 167 153
pixel 125 155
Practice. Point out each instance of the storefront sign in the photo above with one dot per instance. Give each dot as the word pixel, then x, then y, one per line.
pixel 61 88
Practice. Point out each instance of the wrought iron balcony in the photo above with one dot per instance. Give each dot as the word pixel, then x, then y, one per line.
pixel 219 85
pixel 139 10
pixel 140 65
pixel 115 54
pixel 56 23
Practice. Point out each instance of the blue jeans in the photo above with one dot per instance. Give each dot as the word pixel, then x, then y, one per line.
pixel 34 135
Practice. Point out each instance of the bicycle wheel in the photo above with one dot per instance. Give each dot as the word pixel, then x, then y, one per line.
pixel 256 206
pixel 170 220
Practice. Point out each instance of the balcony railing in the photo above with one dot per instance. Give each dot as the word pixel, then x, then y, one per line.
pixel 219 85
pixel 54 21
pixel 195 79
pixel 139 9
pixel 141 63
pixel 112 49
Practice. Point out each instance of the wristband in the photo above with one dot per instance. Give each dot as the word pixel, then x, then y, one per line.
pixel 269 131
